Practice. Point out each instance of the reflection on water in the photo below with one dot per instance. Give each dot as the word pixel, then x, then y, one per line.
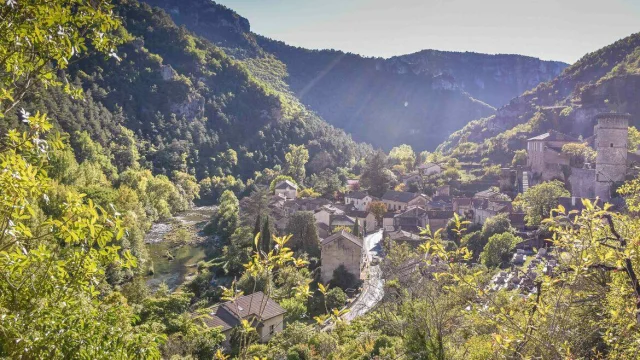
pixel 173 272
pixel 185 257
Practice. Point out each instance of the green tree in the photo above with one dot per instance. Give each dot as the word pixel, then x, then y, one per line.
pixel 304 234
pixel 496 225
pixel 403 155
pixel 498 249
pixel 226 219
pixel 538 200
pixel 297 158
pixel 375 176
pixel 519 158
pixel 378 208
pixel 265 238
pixel 356 228
pixel 579 154
pixel 633 141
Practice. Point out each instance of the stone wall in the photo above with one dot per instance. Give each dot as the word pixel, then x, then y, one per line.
pixel 340 252
pixel 582 182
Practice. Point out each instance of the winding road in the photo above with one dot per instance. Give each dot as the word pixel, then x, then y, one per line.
pixel 373 287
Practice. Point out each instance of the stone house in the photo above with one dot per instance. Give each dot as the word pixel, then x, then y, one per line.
pixel 287 189
pixel 410 178
pixel 323 214
pixel 264 313
pixel 490 194
pixel 544 154
pixel 438 219
pixel 387 221
pixel 402 236
pixel 342 220
pixel 490 208
pixel 342 248
pixel 366 219
pixel 401 200
pixel 429 169
pixel 440 203
pixel 359 199
pixel 412 219
pixel 461 205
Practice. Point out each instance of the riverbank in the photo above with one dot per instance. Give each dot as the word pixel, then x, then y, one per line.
pixel 176 246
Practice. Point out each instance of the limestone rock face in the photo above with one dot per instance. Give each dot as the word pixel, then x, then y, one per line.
pixel 193 106
pixel 167 72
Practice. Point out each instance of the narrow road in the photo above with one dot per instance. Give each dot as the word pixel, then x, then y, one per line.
pixel 373 287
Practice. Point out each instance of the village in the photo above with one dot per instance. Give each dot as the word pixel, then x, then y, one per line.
pixel 355 232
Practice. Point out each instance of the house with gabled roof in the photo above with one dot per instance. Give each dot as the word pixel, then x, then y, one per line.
pixel 287 188
pixel 412 219
pixel 429 169
pixel 359 199
pixel 266 315
pixel 342 248
pixel 401 200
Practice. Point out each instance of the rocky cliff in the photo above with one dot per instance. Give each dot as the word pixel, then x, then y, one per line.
pixel 418 99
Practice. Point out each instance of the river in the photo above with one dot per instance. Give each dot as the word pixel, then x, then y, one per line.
pixel 182 267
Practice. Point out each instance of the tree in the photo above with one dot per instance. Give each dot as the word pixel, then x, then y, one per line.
pixel 498 249
pixel 378 208
pixel 538 200
pixel 297 158
pixel 519 158
pixel 579 154
pixel 226 219
pixel 633 141
pixel 496 225
pixel 375 176
pixel 53 267
pixel 265 238
pixel 304 234
pixel 40 38
pixel 356 228
pixel 257 227
pixel 404 156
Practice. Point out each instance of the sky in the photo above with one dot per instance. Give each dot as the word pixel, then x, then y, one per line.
pixel 563 30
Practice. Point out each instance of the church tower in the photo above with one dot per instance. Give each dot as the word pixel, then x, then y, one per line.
pixel 611 146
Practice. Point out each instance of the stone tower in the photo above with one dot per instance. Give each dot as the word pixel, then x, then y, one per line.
pixel 611 146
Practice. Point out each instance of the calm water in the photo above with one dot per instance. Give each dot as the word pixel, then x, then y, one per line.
pixel 185 258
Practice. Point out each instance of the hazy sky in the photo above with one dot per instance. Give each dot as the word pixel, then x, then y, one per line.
pixel 549 29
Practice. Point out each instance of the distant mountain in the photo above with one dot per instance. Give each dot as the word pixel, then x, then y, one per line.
pixel 602 81
pixel 418 99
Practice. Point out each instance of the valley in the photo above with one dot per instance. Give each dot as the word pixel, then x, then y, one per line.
pixel 176 185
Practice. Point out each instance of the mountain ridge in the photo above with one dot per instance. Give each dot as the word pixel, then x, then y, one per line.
pixel 365 96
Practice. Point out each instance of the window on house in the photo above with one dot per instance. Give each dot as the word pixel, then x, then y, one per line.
pixel 272 329
pixel 611 145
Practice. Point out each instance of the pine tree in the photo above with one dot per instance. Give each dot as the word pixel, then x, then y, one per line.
pixel 266 236
pixel 356 228
pixel 258 225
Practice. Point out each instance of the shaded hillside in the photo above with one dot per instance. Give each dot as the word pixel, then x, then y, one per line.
pixel 603 81
pixel 191 107
pixel 494 79
pixel 417 99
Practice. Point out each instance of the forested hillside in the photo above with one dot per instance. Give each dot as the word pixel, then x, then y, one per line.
pixel 603 81
pixel 417 99
pixel 190 106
